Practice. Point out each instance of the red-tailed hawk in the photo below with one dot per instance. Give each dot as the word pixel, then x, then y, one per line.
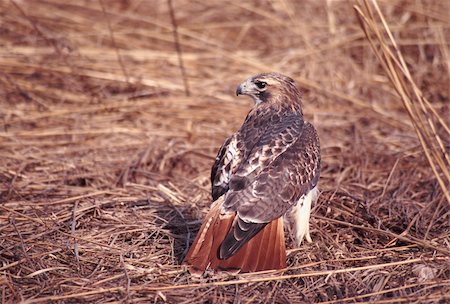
pixel 266 170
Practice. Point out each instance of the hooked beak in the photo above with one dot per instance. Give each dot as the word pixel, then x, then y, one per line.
pixel 249 88
pixel 246 88
pixel 239 90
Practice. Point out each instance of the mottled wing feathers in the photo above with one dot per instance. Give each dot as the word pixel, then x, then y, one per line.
pixel 270 163
pixel 220 170
pixel 280 182
pixel 261 138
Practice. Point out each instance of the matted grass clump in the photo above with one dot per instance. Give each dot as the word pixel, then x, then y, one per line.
pixel 111 113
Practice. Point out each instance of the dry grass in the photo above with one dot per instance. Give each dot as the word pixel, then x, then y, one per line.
pixel 105 159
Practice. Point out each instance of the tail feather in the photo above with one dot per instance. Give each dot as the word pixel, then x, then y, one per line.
pixel 280 252
pixel 265 255
pixel 261 255
pixel 274 251
pixel 265 251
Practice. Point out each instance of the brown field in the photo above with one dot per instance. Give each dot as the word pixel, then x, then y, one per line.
pixel 109 127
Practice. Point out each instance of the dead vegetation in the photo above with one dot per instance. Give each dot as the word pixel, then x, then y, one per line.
pixel 105 159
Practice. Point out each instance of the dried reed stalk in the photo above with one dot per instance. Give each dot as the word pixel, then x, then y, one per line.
pixel 423 116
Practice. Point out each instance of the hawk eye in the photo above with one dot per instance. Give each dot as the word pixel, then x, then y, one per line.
pixel 260 84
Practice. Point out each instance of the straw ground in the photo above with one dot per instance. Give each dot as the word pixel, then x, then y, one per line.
pixel 112 112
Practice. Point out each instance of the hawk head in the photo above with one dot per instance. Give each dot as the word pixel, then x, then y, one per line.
pixel 273 88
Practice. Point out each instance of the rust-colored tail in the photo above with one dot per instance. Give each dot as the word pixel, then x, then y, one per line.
pixel 265 251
